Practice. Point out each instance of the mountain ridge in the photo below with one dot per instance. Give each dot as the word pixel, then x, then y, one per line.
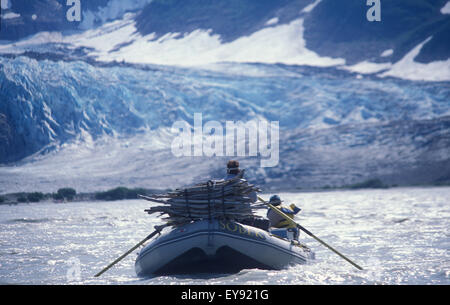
pixel 338 33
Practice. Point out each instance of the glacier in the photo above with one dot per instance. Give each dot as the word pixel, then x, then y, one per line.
pixel 74 123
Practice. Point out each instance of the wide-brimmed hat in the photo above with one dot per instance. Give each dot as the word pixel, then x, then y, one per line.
pixel 275 200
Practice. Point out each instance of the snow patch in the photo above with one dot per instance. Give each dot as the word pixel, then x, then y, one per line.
pixel 272 21
pixel 366 67
pixel 11 15
pixel 29 43
pixel 409 69
pixel 278 44
pixel 446 8
pixel 309 8
pixel 106 38
pixel 406 68
pixel 113 10
pixel 387 53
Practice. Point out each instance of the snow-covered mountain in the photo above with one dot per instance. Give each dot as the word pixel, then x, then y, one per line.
pixel 409 42
pixel 91 103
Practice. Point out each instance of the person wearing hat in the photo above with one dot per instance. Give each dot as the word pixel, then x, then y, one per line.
pixel 278 221
pixel 232 171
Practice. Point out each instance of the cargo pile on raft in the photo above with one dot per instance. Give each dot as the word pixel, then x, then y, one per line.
pixel 222 199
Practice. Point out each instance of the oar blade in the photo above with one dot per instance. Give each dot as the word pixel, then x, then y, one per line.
pixel 158 230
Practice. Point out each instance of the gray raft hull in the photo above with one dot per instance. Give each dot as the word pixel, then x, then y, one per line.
pixel 217 247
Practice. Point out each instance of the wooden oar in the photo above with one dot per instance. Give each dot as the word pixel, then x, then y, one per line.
pixel 292 222
pixel 158 230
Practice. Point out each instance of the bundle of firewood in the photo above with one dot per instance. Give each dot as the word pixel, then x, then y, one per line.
pixel 220 199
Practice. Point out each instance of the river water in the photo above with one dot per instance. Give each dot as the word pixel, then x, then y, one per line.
pixel 399 236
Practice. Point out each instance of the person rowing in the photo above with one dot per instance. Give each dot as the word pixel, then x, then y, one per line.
pixel 278 221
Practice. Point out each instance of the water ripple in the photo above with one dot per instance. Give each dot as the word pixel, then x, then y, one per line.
pixel 399 236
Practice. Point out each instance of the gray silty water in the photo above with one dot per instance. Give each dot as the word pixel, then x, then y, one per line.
pixel 399 236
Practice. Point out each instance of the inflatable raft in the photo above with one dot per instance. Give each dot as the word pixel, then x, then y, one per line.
pixel 218 246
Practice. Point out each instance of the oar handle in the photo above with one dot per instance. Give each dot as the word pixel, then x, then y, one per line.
pixel 292 222
pixel 158 230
